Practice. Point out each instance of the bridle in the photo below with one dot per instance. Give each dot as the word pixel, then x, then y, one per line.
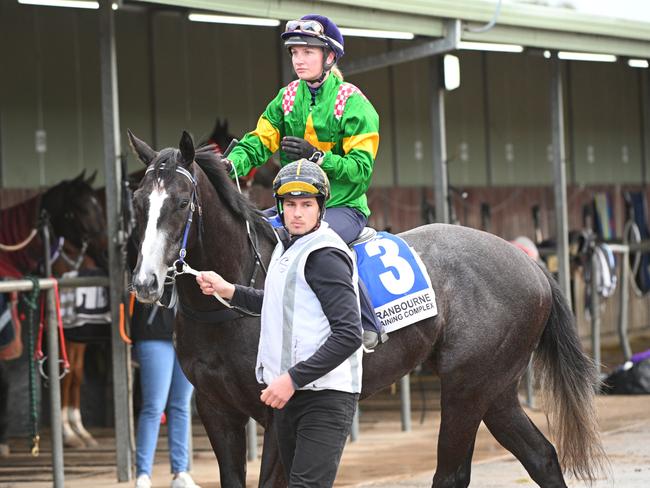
pixel 59 252
pixel 180 266
pixel 194 206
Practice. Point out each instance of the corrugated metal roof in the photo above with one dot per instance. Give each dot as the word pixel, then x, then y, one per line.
pixel 520 23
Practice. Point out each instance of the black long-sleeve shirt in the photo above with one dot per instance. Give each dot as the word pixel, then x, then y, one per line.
pixel 328 272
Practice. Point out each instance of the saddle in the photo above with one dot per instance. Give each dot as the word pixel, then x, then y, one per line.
pixel 366 234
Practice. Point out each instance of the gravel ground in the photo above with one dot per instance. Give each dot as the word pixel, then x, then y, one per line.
pixel 628 449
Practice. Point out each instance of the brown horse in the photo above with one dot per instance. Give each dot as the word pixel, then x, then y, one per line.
pixel 70 259
pixel 78 227
pixel 496 308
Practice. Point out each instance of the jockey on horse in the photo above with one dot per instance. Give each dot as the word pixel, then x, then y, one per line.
pixel 325 120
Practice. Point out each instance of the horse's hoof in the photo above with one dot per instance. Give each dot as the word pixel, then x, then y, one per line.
pixel 73 441
pixel 90 441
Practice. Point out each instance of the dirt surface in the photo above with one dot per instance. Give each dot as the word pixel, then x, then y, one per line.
pixel 383 456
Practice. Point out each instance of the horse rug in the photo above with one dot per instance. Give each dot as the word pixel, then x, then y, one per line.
pixel 85 304
pixel 397 281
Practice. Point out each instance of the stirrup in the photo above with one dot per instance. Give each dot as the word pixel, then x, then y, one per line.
pixel 371 339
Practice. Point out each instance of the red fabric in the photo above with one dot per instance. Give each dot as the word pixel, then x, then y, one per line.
pixel 289 96
pixel 15 348
pixel 345 91
pixel 530 252
pixel 16 223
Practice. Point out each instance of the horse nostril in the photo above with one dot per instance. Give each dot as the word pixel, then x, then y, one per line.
pixel 154 282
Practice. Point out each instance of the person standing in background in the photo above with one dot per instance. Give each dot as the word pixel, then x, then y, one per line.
pixel 162 383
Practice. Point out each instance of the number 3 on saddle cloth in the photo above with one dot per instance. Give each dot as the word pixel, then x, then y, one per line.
pixel 398 282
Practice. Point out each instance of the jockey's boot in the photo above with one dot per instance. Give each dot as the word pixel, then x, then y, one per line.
pixel 371 339
pixel 373 331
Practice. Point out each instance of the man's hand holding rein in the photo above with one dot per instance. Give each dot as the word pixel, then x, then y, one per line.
pixel 211 283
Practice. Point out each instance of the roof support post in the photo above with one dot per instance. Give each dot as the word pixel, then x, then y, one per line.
pixel 56 427
pixel 111 135
pixel 559 176
pixel 645 124
pixel 439 141
pixel 439 46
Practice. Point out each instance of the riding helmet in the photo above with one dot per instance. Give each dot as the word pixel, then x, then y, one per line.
pixel 321 31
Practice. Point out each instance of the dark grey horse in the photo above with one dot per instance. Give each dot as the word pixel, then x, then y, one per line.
pixel 496 307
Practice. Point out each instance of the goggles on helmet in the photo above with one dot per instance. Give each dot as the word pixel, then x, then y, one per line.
pixel 309 27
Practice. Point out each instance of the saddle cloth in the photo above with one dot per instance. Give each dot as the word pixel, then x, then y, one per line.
pixel 396 279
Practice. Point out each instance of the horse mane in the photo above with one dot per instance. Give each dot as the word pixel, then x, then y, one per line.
pixel 210 163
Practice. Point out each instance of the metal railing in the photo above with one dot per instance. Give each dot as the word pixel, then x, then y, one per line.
pixel 48 284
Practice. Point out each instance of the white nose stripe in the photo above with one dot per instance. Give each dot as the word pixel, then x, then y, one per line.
pixel 154 240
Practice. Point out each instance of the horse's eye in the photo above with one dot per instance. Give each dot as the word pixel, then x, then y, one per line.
pixel 184 203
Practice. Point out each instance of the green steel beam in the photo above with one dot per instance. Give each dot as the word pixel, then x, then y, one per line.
pixel 346 15
pixel 513 14
pixel 518 23
pixel 564 41
pixel 411 53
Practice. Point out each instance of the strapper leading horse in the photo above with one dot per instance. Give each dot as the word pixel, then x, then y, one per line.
pixel 496 307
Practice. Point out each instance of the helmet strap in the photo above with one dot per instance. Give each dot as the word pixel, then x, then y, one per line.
pixel 326 52
pixel 320 78
pixel 321 204
pixel 326 67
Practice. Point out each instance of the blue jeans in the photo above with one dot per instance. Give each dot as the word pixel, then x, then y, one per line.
pixel 163 383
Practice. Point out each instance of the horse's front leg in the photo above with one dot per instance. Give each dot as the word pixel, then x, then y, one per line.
pixel 226 430
pixel 272 473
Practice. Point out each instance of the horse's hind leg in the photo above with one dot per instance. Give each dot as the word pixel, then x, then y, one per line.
pixel 460 419
pixel 68 387
pixel 226 430
pixel 510 425
pixel 74 409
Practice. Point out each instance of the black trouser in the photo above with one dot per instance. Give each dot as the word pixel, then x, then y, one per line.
pixel 312 429
pixel 4 402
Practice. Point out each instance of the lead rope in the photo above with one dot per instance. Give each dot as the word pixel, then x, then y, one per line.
pixel 39 355
pixel 31 301
pixel 20 245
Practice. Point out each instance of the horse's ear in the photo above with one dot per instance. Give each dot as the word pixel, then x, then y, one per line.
pixel 141 149
pixel 81 176
pixel 187 148
pixel 91 178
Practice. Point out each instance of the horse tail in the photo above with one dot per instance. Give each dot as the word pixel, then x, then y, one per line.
pixel 570 379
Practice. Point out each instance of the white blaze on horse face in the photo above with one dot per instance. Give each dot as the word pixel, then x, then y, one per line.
pixel 153 245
